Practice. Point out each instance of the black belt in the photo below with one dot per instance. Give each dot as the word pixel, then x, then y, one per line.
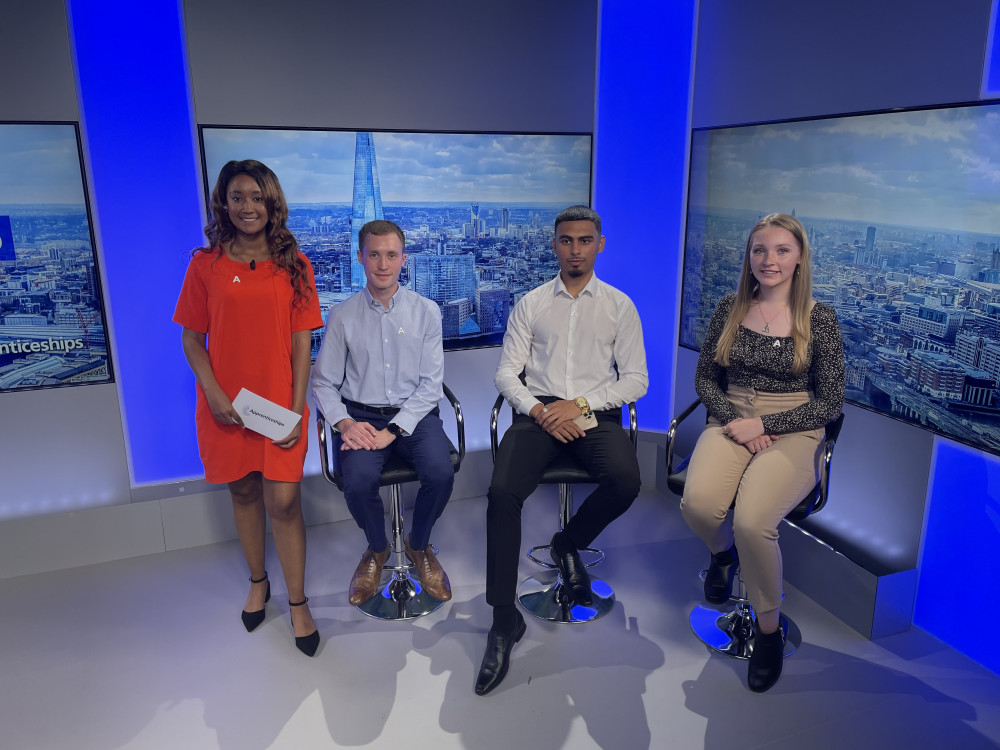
pixel 609 415
pixel 382 411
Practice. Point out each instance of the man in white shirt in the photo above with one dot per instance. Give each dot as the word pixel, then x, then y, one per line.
pixel 579 344
pixel 378 379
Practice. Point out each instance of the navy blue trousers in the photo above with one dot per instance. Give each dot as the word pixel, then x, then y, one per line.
pixel 427 450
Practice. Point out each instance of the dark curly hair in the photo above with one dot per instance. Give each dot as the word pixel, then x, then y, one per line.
pixel 281 242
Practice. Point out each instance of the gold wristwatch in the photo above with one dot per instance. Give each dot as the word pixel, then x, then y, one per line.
pixel 583 404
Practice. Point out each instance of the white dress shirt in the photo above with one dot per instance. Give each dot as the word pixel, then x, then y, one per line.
pixel 589 346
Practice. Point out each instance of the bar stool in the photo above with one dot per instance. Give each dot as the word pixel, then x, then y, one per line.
pixel 543 595
pixel 730 630
pixel 400 596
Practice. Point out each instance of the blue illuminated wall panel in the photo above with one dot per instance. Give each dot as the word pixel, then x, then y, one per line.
pixel 640 171
pixel 991 68
pixel 135 105
pixel 6 240
pixel 955 600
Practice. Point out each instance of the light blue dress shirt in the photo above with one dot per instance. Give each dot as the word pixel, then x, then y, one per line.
pixel 381 357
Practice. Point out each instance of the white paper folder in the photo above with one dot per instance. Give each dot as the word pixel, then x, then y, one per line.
pixel 263 416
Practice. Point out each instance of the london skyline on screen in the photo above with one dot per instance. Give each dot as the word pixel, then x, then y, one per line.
pixel 52 327
pixel 903 219
pixel 477 210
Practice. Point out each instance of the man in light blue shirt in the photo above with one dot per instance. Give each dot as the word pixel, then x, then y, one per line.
pixel 378 380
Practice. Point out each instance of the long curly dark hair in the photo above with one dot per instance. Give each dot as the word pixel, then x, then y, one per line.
pixel 281 242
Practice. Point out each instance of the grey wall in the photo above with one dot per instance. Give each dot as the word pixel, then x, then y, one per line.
pixel 36 64
pixel 393 64
pixel 778 59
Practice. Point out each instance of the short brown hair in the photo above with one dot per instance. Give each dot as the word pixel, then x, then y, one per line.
pixel 379 228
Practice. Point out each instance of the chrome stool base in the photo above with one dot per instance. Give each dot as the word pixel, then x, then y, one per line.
pixel 730 632
pixel 728 628
pixel 544 597
pixel 399 598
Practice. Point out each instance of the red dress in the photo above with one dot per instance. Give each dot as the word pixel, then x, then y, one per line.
pixel 249 318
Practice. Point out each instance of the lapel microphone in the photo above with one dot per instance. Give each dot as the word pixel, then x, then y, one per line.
pixel 253 265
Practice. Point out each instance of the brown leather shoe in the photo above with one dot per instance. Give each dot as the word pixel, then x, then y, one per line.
pixel 431 575
pixel 365 582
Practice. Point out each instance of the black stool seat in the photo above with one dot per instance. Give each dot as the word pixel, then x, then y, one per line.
pixel 396 470
pixel 565 469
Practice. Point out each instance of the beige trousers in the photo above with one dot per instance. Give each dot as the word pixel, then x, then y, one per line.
pixel 760 488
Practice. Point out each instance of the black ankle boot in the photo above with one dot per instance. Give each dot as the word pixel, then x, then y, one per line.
pixel 720 575
pixel 765 659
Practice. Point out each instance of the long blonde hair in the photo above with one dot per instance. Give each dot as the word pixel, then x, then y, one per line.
pixel 799 299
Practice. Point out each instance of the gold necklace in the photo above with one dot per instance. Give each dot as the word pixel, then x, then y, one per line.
pixel 767 323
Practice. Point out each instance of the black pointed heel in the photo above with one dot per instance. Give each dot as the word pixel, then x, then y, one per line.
pixel 307 644
pixel 252 619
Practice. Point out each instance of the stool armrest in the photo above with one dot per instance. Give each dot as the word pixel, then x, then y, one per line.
pixel 459 422
pixel 832 433
pixel 324 446
pixel 672 433
pixel 494 421
pixel 633 425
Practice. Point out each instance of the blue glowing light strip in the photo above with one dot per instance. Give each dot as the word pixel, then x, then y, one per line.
pixel 136 111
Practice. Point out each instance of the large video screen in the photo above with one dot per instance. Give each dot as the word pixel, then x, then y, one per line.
pixel 902 210
pixel 477 209
pixel 52 327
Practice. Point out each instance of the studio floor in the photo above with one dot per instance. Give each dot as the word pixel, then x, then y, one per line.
pixel 149 653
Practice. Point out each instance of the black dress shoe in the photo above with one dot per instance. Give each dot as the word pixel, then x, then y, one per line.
pixel 765 660
pixel 720 575
pixel 574 575
pixel 496 660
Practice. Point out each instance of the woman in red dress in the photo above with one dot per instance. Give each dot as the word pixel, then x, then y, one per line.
pixel 248 307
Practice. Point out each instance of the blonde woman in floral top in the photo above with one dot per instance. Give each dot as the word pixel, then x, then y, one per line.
pixel 771 375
